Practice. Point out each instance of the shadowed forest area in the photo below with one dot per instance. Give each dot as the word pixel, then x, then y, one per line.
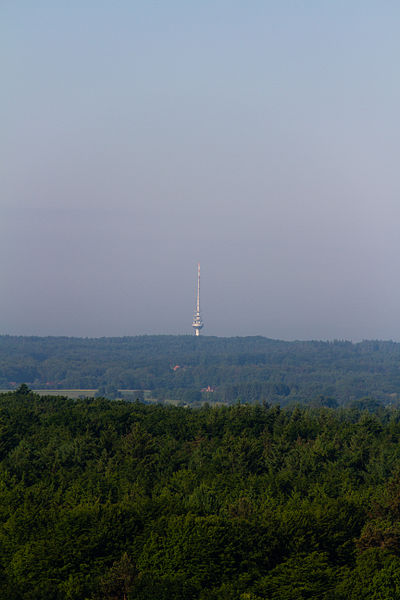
pixel 189 370
pixel 105 499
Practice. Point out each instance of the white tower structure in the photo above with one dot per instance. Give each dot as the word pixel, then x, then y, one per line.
pixel 197 322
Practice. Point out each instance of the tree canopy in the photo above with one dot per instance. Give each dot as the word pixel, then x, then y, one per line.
pixel 108 499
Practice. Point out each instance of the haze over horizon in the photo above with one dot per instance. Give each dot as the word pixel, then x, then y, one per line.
pixel 260 139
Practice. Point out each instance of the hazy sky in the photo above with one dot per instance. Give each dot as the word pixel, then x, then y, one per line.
pixel 259 137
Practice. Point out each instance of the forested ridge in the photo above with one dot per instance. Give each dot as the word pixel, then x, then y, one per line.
pixel 108 499
pixel 183 368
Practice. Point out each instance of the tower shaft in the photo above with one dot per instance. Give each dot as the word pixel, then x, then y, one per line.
pixel 197 322
pixel 198 288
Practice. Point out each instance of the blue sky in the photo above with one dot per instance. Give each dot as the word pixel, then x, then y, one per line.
pixel 261 139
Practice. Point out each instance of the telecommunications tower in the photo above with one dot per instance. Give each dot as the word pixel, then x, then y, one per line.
pixel 197 322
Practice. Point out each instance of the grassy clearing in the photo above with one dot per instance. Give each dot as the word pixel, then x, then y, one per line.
pixel 68 393
pixel 84 393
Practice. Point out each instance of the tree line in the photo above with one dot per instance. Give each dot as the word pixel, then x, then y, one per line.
pixel 190 370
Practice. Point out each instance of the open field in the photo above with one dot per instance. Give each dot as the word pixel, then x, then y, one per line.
pixel 91 393
pixel 68 393
pixel 76 393
pixel 84 393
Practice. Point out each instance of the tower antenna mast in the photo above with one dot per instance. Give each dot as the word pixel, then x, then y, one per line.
pixel 197 322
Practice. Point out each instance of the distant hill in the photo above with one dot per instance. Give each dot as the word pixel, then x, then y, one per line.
pixel 187 369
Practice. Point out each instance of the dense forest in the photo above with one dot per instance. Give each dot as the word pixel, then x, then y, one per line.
pixel 190 370
pixel 106 500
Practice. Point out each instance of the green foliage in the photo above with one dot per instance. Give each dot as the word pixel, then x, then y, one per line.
pixel 301 576
pixel 23 390
pixel 118 580
pixel 186 370
pixel 109 500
